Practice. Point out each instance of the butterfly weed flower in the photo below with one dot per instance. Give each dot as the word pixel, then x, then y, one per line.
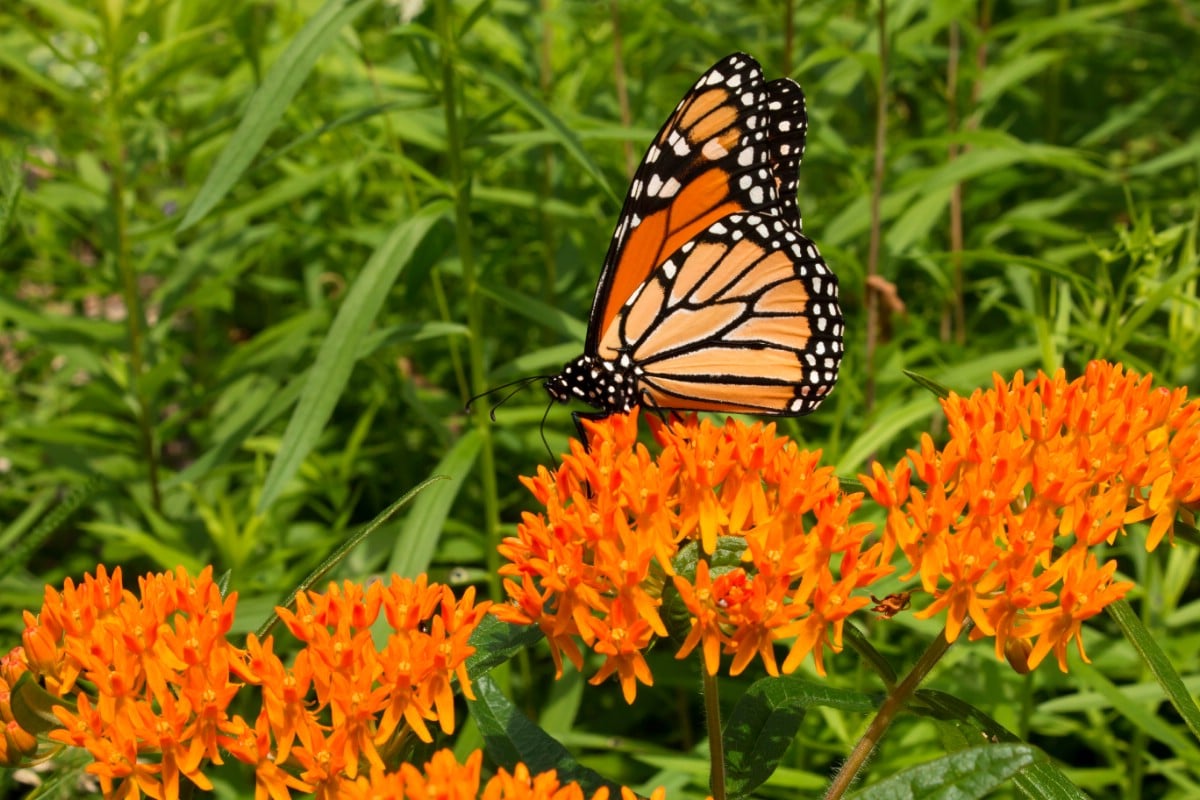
pixel 158 664
pixel 444 778
pixel 1000 523
pixel 147 680
pixel 753 535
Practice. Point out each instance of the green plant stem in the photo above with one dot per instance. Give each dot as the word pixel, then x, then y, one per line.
pixel 119 251
pixel 716 745
pixel 462 233
pixel 873 247
pixel 893 703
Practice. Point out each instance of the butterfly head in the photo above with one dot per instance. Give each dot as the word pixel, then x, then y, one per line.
pixel 608 385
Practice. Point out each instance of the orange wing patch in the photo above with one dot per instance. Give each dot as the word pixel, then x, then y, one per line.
pixel 708 161
pixel 699 205
pixel 743 317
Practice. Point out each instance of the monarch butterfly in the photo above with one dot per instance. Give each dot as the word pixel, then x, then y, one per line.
pixel 710 297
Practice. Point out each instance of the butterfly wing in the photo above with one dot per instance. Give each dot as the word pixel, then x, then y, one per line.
pixel 742 318
pixel 732 145
pixel 711 297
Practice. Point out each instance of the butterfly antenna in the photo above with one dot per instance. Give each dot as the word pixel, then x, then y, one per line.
pixel 520 383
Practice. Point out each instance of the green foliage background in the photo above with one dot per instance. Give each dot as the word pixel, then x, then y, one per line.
pixel 186 208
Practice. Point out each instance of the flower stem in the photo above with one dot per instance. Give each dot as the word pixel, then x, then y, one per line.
pixel 896 699
pixel 716 744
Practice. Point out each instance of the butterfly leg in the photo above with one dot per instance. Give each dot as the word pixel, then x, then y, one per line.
pixel 580 416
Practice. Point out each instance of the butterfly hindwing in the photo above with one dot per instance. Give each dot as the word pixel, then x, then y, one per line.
pixel 743 318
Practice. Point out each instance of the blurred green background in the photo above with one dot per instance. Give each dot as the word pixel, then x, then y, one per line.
pixel 255 257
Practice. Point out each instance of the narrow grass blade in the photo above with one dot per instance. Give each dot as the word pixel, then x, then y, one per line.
pixel 421 530
pixel 341 347
pixel 351 543
pixel 563 134
pixel 269 102
pixel 1154 657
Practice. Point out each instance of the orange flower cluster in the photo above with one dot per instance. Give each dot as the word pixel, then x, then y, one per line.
pixel 620 521
pixel 444 778
pixel 369 692
pixel 161 675
pixel 160 667
pixel 999 522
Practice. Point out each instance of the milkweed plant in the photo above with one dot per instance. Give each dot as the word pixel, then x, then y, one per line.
pixel 723 543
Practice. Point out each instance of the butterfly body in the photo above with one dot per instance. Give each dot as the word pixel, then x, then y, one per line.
pixel 711 297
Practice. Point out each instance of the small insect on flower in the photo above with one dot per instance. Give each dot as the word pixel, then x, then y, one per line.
pixel 891 605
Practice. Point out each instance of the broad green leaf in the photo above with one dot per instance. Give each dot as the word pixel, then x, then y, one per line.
pixel 967 774
pixel 495 642
pixel 420 531
pixel 511 737
pixel 33 707
pixel 269 102
pixel 764 722
pixel 1041 781
pixel 335 359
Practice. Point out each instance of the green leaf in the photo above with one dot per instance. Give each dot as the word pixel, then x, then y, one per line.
pixel 970 773
pixel 764 722
pixel 1164 672
pixel 339 555
pixel 331 370
pixel 33 707
pixel 10 191
pixel 510 737
pixel 495 642
pixel 420 532
pixel 938 390
pixel 269 102
pixel 15 553
pixel 1041 781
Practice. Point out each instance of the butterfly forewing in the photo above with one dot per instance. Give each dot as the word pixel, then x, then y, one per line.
pixel 785 137
pixel 710 159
